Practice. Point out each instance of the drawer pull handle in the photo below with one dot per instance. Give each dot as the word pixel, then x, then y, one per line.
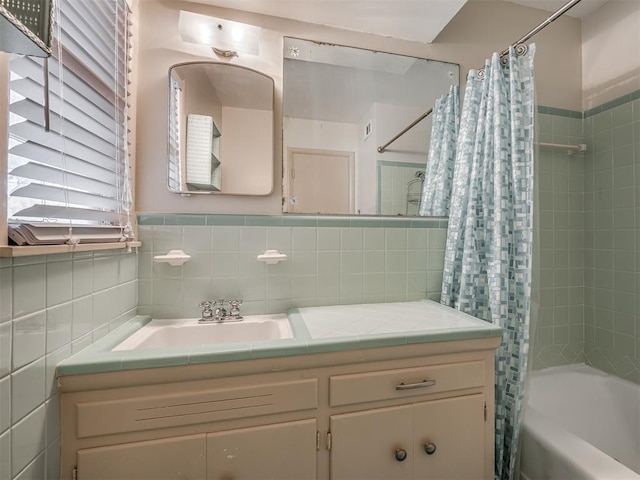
pixel 411 386
pixel 430 448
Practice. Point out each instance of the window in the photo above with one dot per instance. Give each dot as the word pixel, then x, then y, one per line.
pixel 72 183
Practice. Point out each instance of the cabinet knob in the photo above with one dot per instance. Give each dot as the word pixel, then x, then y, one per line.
pixel 430 448
pixel 401 454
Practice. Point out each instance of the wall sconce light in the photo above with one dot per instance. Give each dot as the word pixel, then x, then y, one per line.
pixel 226 38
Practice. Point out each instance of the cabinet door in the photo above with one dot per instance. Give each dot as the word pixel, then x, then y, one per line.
pixel 171 458
pixel 364 445
pixel 283 451
pixel 455 426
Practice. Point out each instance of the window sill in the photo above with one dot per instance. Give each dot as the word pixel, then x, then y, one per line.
pixel 12 251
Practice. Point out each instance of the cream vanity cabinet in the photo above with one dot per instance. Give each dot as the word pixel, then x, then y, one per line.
pixel 421 411
pixel 442 439
pixel 439 439
pixel 285 451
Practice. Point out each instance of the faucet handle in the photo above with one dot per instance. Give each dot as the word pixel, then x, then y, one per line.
pixel 207 308
pixel 234 309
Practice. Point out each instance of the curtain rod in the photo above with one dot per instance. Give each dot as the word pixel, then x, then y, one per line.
pixel 564 9
pixel 382 148
pixel 519 45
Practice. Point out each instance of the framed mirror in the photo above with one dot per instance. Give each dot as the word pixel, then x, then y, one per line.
pixel 340 106
pixel 220 130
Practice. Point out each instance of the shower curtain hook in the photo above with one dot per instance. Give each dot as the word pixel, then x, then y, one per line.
pixel 521 49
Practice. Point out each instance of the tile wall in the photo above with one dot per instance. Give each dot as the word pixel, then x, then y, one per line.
pixel 330 261
pixel 612 237
pixel 590 240
pixel 51 307
pixel 559 335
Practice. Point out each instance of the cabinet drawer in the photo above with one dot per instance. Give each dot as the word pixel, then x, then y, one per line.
pixel 404 382
pixel 195 406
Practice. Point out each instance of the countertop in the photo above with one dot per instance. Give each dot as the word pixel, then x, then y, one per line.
pixel 316 330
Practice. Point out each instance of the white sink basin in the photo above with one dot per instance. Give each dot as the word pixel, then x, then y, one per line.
pixel 188 332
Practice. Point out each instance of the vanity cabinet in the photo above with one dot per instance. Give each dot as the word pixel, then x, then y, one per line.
pixel 167 458
pixel 422 411
pixel 285 451
pixel 441 439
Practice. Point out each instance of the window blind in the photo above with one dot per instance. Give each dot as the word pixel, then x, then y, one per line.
pixel 72 183
pixel 175 125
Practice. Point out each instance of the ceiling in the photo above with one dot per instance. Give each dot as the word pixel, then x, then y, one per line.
pixel 416 20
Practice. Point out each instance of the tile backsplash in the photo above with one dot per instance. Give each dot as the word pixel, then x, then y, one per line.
pixel 50 307
pixel 330 261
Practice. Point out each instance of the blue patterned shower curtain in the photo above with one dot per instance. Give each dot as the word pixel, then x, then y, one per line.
pixel 488 259
pixel 438 178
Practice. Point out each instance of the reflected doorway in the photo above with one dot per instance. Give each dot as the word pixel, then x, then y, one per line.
pixel 320 181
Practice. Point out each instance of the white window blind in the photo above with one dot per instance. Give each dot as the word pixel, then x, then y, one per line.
pixel 175 125
pixel 72 183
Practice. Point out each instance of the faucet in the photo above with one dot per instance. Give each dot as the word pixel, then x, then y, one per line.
pixel 220 312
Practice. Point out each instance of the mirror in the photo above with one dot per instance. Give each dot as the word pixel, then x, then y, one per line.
pixel 220 130
pixel 340 104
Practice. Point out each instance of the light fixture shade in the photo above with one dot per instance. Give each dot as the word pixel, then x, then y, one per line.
pixel 25 27
pixel 218 33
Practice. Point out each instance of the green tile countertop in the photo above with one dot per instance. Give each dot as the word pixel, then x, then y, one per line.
pixel 315 329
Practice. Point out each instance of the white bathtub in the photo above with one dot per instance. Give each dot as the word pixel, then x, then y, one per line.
pixel 581 423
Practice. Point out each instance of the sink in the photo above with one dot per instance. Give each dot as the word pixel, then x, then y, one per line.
pixel 188 332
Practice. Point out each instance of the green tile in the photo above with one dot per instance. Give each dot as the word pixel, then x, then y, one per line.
pixel 351 238
pixel 560 125
pixel 603 141
pixel 616 102
pixel 623 113
pixel 325 222
pixel 623 135
pixel 154 358
pixel 218 353
pixel 427 223
pixel 561 112
pixel 384 340
pixel 592 111
pixel 150 219
pixel 263 220
pixel 278 348
pixel 396 239
pixel 328 239
pixel 545 123
pixel 299 221
pixel 304 238
pixel 184 219
pixel 352 262
pixel 366 222
pixel 391 222
pixel 225 220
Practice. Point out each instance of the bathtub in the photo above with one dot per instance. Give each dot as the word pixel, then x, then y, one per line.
pixel 581 423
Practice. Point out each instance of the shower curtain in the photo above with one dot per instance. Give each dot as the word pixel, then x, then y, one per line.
pixel 488 259
pixel 438 179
